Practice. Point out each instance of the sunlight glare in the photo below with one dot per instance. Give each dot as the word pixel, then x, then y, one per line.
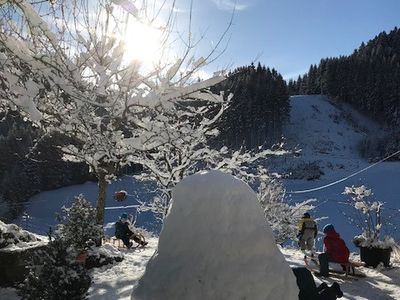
pixel 143 43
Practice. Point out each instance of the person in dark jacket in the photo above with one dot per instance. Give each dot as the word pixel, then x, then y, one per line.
pixel 335 250
pixel 308 289
pixel 123 232
pixel 307 232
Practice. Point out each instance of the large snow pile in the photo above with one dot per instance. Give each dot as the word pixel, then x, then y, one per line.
pixel 215 244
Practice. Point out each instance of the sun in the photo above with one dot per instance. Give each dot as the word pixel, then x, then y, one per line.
pixel 143 43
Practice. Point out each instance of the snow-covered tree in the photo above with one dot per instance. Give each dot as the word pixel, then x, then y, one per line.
pixel 189 154
pixel 55 274
pixel 64 65
pixel 78 224
pixel 280 214
pixel 369 217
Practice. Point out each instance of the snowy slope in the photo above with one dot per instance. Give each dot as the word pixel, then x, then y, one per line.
pixel 329 135
pixel 326 133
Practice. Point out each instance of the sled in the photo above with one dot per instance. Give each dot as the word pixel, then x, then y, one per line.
pixel 312 264
pixel 120 245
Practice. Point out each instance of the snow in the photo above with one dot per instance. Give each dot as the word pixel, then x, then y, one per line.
pixel 18 239
pixel 38 220
pixel 339 158
pixel 215 244
pixel 323 132
pixel 379 284
pixel 116 281
pixel 106 250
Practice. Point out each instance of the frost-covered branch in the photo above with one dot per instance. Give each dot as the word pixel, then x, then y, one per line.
pixel 280 214
pixel 65 67
pixel 369 217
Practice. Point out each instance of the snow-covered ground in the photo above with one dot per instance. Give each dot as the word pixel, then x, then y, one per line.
pixel 116 281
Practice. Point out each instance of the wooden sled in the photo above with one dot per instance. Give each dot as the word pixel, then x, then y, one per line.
pixel 350 267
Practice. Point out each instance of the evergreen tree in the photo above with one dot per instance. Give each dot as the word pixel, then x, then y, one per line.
pixel 54 274
pixel 78 224
pixel 259 107
pixel 368 79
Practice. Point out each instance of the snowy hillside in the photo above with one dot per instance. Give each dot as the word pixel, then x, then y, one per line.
pixel 328 136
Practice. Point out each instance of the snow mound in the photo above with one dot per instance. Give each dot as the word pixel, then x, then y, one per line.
pixel 13 238
pixel 215 244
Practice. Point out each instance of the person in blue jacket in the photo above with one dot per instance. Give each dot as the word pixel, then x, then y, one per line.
pixel 123 232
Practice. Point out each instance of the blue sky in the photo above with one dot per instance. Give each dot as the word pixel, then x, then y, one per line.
pixel 289 35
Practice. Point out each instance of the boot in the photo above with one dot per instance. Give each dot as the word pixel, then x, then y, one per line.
pixel 335 286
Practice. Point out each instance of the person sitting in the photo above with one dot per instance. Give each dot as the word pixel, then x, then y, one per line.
pixel 308 289
pixel 124 232
pixel 335 250
pixel 307 232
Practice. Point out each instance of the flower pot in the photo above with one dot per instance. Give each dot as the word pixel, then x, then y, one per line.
pixel 374 256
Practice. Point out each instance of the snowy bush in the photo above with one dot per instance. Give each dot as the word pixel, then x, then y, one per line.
pixel 55 274
pixel 104 255
pixel 12 234
pixel 281 215
pixel 368 219
pixel 78 226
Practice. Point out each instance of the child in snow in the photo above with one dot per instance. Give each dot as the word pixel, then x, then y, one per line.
pixel 307 232
pixel 335 250
pixel 123 232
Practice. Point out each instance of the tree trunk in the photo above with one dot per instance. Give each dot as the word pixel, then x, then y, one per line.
pixel 101 198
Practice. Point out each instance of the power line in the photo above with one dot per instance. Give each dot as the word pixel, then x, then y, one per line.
pixel 120 207
pixel 345 178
